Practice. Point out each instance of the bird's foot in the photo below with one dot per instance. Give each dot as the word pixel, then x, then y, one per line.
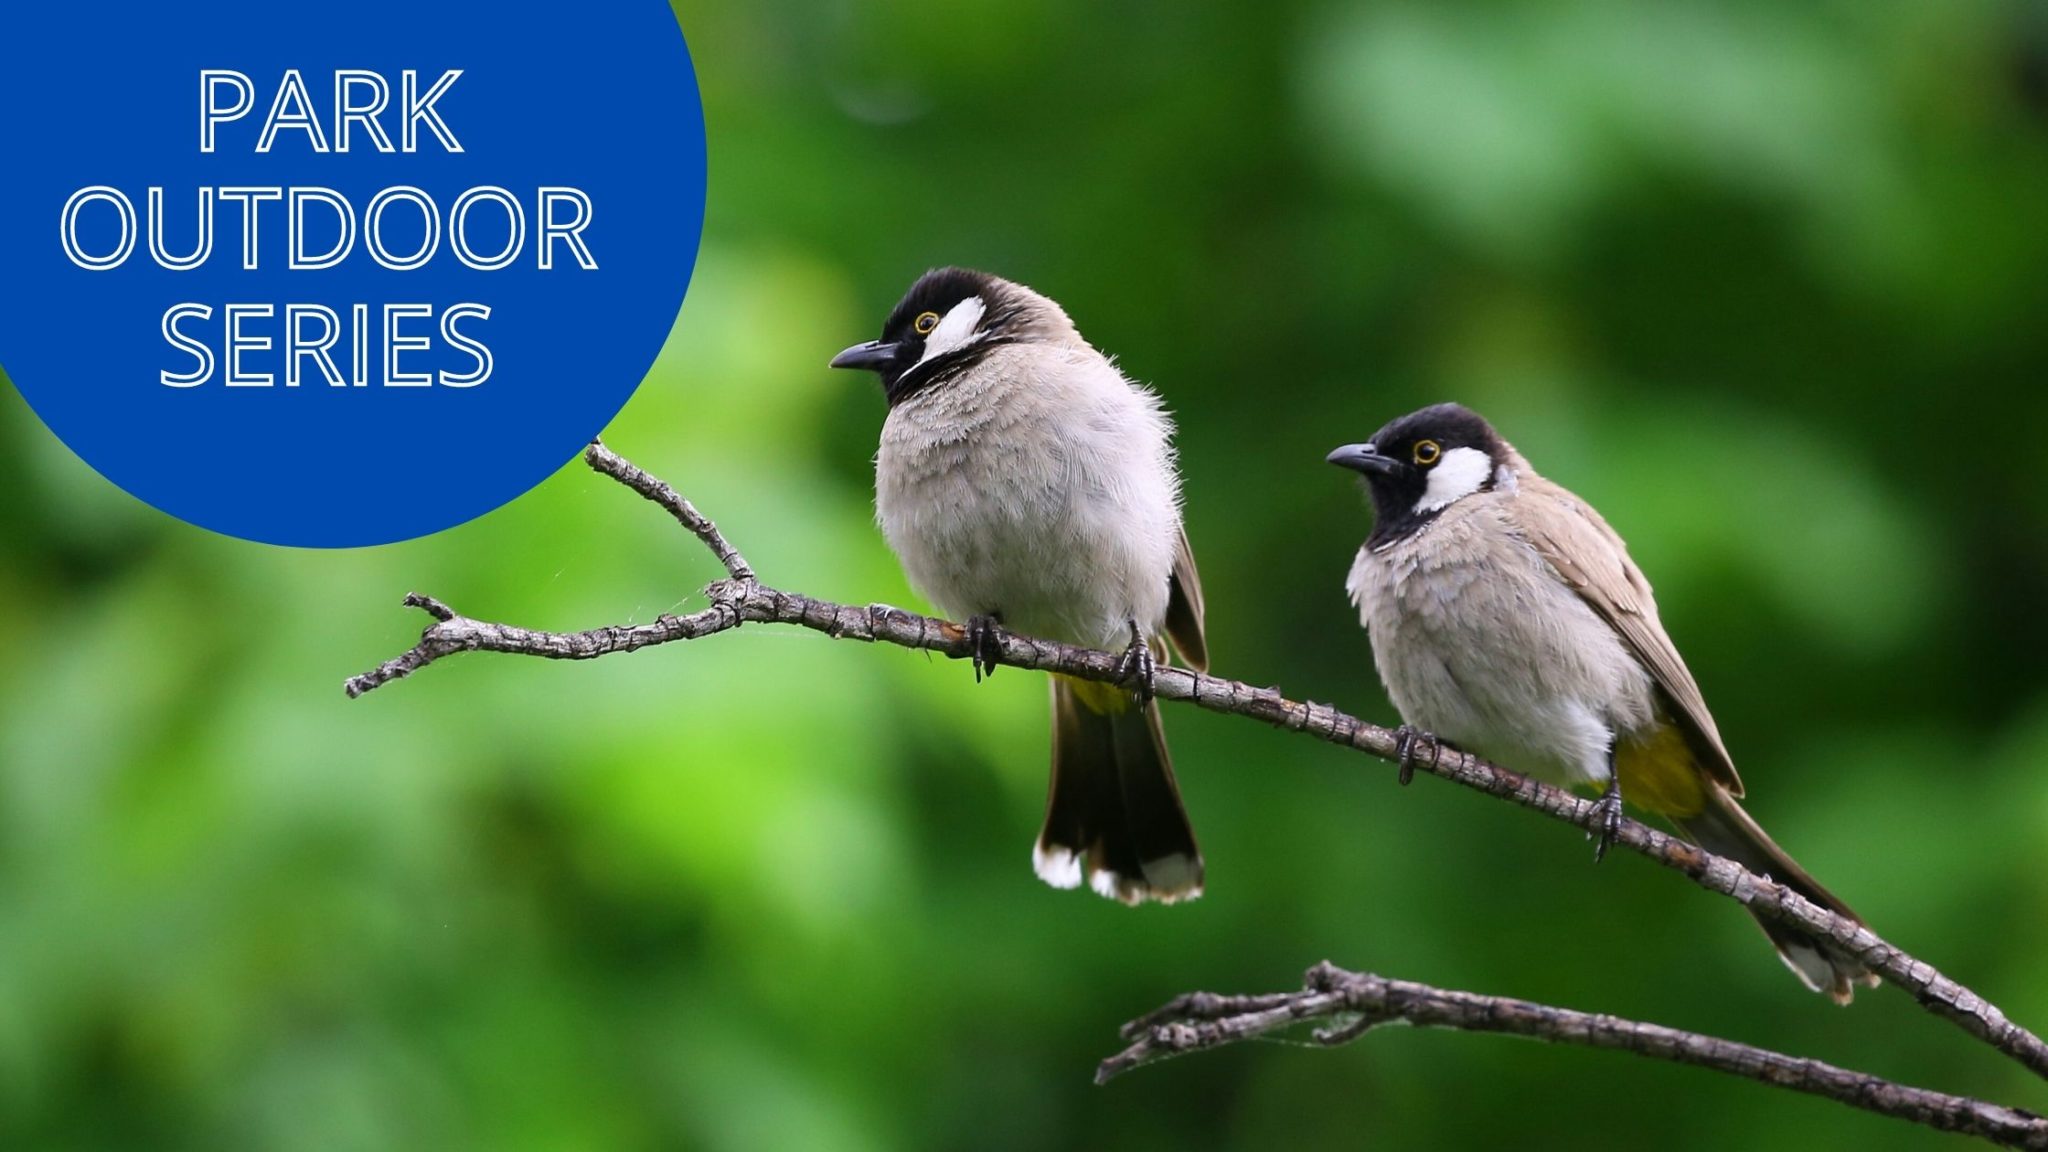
pixel 985 637
pixel 1608 809
pixel 1136 668
pixel 1406 754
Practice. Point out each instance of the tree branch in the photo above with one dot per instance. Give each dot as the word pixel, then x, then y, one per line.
pixel 742 599
pixel 1357 1002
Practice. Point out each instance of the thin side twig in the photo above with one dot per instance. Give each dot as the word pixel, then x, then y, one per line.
pixel 1357 1002
pixel 626 472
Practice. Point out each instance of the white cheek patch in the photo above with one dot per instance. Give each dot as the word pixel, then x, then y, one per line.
pixel 956 329
pixel 1459 474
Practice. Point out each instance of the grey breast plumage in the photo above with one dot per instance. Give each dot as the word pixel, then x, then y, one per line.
pixel 1477 640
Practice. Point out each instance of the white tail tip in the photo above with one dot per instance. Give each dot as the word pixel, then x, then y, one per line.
pixel 1058 867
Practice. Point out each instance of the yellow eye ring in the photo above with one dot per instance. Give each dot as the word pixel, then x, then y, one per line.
pixel 1426 452
pixel 926 321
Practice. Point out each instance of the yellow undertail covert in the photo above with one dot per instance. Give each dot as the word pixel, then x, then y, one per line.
pixel 1658 772
pixel 1099 698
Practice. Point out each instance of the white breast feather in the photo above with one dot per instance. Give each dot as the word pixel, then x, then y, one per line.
pixel 1040 485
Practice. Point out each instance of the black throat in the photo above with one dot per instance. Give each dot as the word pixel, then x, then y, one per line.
pixel 1395 517
pixel 939 370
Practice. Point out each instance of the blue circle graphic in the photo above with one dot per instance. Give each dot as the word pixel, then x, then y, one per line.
pixel 341 274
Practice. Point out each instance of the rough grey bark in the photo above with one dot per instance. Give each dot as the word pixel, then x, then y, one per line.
pixel 1356 1002
pixel 742 599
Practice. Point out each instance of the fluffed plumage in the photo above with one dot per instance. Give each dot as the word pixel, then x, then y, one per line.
pixel 1022 477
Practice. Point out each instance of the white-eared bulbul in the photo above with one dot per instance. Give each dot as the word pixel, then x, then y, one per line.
pixel 1026 483
pixel 1507 619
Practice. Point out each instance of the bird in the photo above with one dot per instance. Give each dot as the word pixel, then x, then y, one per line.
pixel 1507 620
pixel 1027 485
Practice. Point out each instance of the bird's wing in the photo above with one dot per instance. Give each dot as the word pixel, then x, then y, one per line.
pixel 1184 608
pixel 1594 561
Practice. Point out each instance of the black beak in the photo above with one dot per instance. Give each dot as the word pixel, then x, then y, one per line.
pixel 1364 458
pixel 874 356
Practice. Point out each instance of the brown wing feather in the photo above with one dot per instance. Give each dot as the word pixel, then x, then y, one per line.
pixel 1184 608
pixel 1591 558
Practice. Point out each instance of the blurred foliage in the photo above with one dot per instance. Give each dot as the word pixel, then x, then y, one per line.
pixel 1763 281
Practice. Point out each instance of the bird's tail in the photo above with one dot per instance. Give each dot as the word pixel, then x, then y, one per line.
pixel 1114 810
pixel 1723 828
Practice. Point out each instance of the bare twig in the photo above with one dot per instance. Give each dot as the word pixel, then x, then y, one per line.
pixel 453 633
pixel 626 472
pixel 1357 1002
pixel 743 599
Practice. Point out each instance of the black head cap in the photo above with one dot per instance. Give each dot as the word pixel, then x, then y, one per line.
pixel 1422 463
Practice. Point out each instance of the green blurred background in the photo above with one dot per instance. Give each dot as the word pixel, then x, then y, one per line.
pixel 1764 282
